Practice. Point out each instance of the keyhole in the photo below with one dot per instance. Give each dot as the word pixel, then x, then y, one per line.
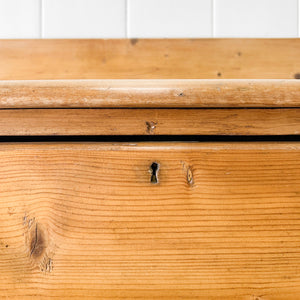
pixel 154 169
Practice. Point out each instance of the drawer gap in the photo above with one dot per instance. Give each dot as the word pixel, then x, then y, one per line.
pixel 143 138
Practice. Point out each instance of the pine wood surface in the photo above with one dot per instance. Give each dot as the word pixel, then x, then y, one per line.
pixel 83 221
pixel 58 122
pixel 149 93
pixel 150 59
pixel 96 221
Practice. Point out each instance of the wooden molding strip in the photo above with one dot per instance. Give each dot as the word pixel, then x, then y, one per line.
pixel 52 122
pixel 150 59
pixel 149 93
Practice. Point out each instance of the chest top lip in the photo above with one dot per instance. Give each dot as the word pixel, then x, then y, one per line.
pixel 150 93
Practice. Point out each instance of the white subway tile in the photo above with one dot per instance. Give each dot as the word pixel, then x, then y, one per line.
pixel 19 19
pixel 169 18
pixel 256 18
pixel 84 18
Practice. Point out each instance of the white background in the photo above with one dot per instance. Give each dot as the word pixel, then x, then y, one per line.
pixel 148 18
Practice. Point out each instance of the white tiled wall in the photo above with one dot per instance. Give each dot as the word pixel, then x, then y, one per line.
pixel 149 18
pixel 169 18
pixel 263 18
pixel 83 18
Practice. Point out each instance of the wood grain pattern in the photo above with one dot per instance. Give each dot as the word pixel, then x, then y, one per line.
pixel 83 221
pixel 53 122
pixel 150 58
pixel 149 93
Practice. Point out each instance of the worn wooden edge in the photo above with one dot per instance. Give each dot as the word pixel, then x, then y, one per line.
pixel 219 58
pixel 149 122
pixel 149 93
pixel 145 146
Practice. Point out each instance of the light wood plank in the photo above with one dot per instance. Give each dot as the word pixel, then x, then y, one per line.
pixel 83 221
pixel 150 58
pixel 52 122
pixel 149 93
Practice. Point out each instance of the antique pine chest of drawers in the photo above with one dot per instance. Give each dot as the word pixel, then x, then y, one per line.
pixel 147 169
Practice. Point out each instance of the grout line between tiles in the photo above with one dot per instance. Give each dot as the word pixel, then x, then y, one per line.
pixel 41 19
pixel 126 18
pixel 213 17
pixel 298 18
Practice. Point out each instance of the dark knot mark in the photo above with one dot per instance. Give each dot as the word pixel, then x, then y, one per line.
pixel 297 76
pixel 133 41
pixel 190 176
pixel 37 242
pixel 151 127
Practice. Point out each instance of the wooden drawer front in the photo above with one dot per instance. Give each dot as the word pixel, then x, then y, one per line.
pixel 83 220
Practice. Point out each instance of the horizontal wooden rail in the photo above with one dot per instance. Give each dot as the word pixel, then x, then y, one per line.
pixel 150 58
pixel 53 122
pixel 149 93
